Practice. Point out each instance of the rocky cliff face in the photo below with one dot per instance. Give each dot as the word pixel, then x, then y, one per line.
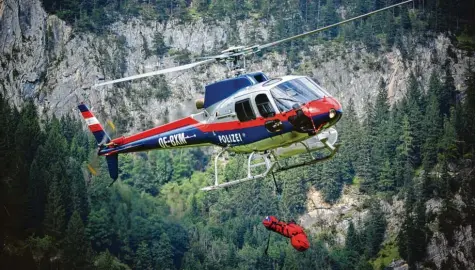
pixel 351 207
pixel 330 223
pixel 44 58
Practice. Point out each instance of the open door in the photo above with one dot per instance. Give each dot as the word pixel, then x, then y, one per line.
pixel 266 110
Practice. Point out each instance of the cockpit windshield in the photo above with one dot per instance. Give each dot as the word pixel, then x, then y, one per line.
pixel 300 91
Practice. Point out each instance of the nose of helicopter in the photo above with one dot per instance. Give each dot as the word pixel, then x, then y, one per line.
pixel 326 111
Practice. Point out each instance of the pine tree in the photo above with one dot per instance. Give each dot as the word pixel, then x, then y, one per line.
pixel 405 20
pixel 448 140
pixel 367 168
pixel 55 212
pixel 433 128
pixel 374 231
pixel 143 259
pixel 404 159
pixel 163 168
pixel 331 182
pixel 36 192
pixel 77 249
pixel 28 134
pixel 99 229
pixel 448 93
pixel 69 127
pixel 106 261
pixel 414 110
pixel 420 232
pixel 349 138
pixel 405 240
pixel 78 188
pixel 294 193
pixel 449 217
pixel 329 16
pixel 143 176
pixel 159 45
pixel 390 29
pixel 435 89
pixel 21 152
pixel 386 178
pixel 163 254
pixel 382 115
pixel 467 132
pixel 352 242
pixel 406 148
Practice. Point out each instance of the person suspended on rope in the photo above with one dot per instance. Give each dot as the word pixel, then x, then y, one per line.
pixel 291 230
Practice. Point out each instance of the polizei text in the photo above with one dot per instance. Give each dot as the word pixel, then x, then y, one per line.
pixel 230 138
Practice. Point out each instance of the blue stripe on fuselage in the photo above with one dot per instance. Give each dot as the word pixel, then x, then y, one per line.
pixel 190 136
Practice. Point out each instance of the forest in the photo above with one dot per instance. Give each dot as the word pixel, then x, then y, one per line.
pixel 56 214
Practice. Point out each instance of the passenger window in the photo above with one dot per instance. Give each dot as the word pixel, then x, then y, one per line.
pixel 244 111
pixel 264 106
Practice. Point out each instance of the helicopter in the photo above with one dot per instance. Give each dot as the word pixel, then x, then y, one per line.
pixel 269 119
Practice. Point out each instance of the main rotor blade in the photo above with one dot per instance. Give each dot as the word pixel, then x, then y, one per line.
pixel 157 72
pixel 329 26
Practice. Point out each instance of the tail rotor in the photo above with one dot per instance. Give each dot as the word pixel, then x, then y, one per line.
pixel 102 138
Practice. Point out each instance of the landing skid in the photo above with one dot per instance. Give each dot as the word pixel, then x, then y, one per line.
pixel 269 161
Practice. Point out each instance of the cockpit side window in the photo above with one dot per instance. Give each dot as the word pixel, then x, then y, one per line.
pixel 264 106
pixel 244 111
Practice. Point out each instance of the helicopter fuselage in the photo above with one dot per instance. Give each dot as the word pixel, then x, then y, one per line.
pixel 269 115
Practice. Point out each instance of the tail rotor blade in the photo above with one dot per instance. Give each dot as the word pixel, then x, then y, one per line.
pixel 111 125
pixel 92 170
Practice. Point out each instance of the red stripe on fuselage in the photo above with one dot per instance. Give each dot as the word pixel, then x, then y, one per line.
pixel 312 108
pixel 157 130
pixel 87 114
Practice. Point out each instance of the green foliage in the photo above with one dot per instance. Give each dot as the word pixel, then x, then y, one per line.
pixel 76 243
pixel 106 261
pixel 413 236
pixel 55 212
pixel 374 230
pixel 360 246
pixel 351 240
pixel 159 45
pixel 467 129
pixel 162 253
pixel 43 186
pixel 99 229
pixel 386 255
pixel 433 127
pixel 143 258
pixel 41 247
